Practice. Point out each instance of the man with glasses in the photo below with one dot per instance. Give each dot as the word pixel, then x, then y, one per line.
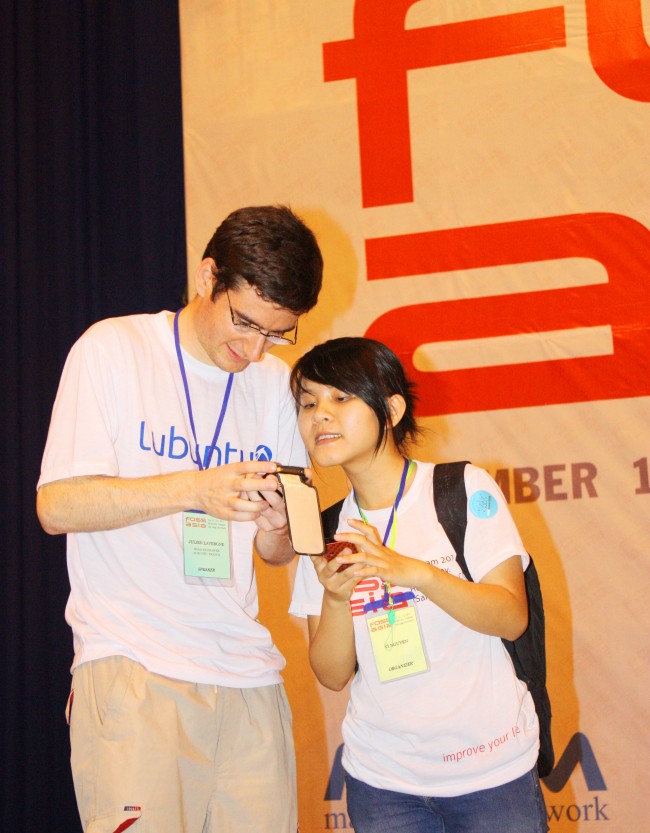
pixel 161 432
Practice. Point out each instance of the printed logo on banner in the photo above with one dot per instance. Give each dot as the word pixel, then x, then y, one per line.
pixel 578 752
pixel 383 52
pixel 380 56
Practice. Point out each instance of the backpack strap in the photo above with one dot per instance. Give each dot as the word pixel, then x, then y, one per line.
pixel 450 500
pixel 528 652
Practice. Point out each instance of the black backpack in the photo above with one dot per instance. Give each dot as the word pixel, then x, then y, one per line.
pixel 528 652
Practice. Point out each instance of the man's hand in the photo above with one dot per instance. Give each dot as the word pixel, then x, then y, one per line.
pixel 272 509
pixel 239 492
pixel 272 540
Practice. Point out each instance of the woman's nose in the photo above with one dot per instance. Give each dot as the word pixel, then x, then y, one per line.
pixel 321 414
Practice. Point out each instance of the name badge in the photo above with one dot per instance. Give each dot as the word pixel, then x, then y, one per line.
pixel 207 553
pixel 397 643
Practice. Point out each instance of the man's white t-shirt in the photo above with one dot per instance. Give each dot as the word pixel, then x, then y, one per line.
pixel 467 723
pixel 121 411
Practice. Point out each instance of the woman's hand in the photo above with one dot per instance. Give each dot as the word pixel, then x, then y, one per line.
pixel 376 560
pixel 496 605
pixel 338 585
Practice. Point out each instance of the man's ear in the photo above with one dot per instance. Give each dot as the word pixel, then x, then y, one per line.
pixel 204 277
pixel 396 407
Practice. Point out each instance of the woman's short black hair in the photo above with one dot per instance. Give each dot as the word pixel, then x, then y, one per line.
pixel 367 369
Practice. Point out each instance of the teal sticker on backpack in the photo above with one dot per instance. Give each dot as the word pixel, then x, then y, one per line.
pixel 483 505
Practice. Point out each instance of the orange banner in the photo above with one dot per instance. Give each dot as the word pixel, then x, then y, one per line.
pixel 477 175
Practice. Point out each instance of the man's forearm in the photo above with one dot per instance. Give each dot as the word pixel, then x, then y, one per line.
pixel 273 548
pixel 93 503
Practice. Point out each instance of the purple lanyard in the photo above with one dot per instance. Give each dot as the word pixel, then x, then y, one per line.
pixel 224 404
pixel 388 599
pixel 398 498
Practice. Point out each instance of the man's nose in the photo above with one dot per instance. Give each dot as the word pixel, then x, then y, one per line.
pixel 258 344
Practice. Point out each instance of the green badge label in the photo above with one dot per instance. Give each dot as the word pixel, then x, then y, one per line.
pixel 206 546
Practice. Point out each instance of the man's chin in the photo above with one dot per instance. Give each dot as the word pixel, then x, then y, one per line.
pixel 231 362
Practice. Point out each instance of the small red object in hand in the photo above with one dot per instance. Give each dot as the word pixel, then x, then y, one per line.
pixel 333 548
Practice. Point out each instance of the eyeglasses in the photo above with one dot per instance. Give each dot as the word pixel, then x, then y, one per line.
pixel 248 328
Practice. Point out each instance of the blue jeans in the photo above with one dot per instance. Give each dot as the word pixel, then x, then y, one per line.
pixel 516 807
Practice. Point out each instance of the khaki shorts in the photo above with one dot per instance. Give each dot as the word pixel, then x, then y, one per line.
pixel 165 756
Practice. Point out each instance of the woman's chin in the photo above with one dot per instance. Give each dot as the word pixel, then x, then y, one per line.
pixel 326 455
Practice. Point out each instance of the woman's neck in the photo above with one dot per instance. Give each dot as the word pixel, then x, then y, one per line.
pixel 376 485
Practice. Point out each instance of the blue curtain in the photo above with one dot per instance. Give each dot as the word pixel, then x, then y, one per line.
pixel 91 195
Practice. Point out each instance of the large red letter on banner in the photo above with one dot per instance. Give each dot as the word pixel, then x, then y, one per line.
pixel 622 245
pixel 618 48
pixel 381 54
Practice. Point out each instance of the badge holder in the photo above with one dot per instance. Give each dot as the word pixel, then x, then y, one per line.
pixel 396 639
pixel 207 550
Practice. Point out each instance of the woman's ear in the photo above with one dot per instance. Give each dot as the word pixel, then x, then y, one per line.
pixel 396 407
pixel 204 277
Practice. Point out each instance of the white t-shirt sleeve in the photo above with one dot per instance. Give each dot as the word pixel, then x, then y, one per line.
pixel 84 418
pixel 307 597
pixel 491 535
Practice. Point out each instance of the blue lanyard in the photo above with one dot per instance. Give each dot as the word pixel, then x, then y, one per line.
pixel 224 404
pixel 388 599
pixel 398 498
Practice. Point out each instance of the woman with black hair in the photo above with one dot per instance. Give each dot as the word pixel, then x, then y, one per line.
pixel 439 736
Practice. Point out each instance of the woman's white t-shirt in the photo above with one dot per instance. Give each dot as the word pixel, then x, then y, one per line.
pixel 467 723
